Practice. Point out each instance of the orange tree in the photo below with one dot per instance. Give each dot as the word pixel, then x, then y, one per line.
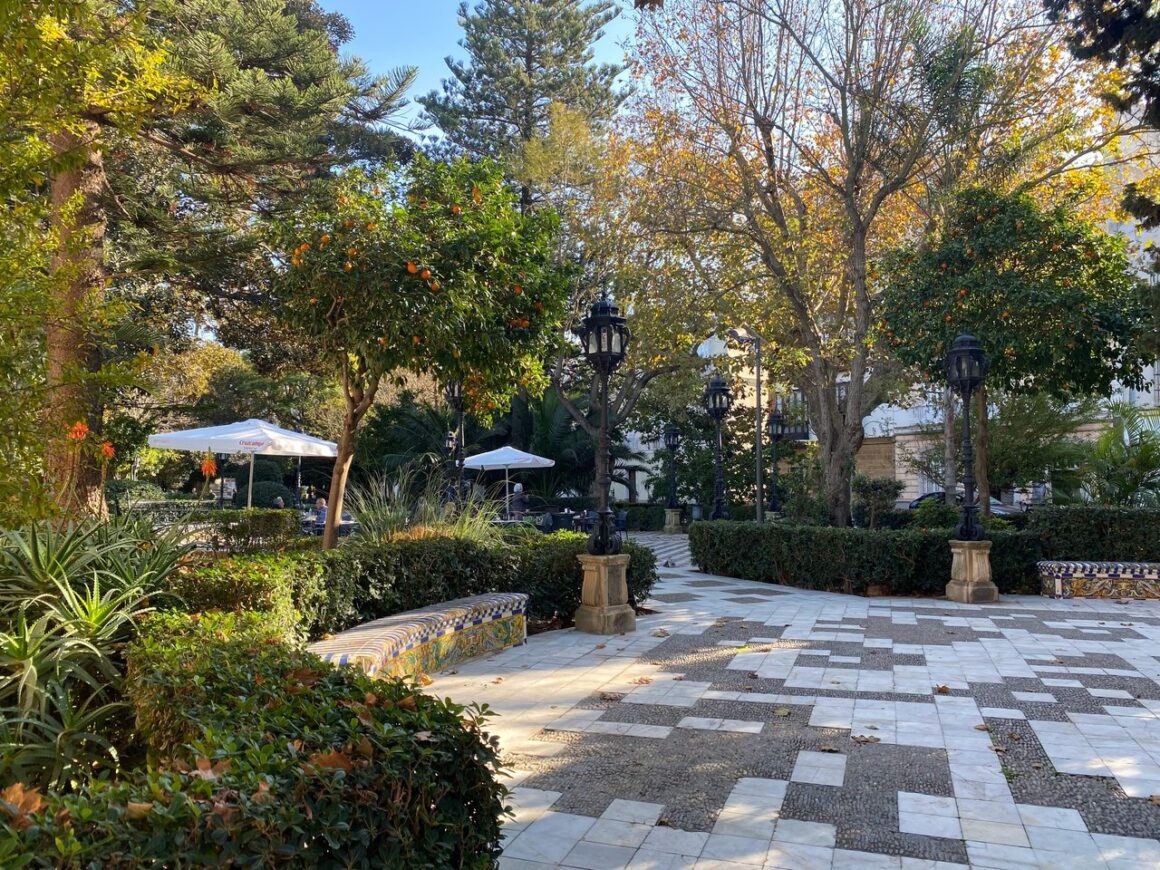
pixel 1051 297
pixel 429 268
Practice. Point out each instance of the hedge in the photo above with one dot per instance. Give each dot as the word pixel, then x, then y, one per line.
pixel 903 562
pixel 250 529
pixel 267 756
pixel 361 580
pixel 1097 533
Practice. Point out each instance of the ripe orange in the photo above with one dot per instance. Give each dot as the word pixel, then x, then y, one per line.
pixel 372 226
pixel 425 274
pixel 342 200
pixel 434 285
pixel 411 267
pixel 517 289
pixel 348 224
pixel 415 339
pixel 313 301
pixel 456 209
pixel 382 340
pixel 306 246
pixel 347 266
pixel 455 353
pixel 325 238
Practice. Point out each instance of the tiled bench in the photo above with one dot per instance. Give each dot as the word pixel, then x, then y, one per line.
pixel 1100 579
pixel 431 638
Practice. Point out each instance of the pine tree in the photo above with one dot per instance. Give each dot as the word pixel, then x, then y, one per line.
pixel 524 56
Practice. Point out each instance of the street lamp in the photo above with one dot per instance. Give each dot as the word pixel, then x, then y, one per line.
pixel 672 442
pixel 748 338
pixel 776 433
pixel 453 393
pixel 966 367
pixel 604 336
pixel 718 399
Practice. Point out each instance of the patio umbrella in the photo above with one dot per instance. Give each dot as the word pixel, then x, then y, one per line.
pixel 255 437
pixel 507 458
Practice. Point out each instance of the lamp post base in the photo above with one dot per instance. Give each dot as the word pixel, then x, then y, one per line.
pixel 672 520
pixel 971 573
pixel 604 607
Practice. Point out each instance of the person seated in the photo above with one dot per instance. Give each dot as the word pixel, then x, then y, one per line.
pixel 279 503
pixel 519 502
pixel 319 514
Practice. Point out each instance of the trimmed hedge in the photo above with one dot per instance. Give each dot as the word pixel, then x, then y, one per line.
pixel 267 756
pixel 251 529
pixel 1097 533
pixel 360 581
pixel 905 562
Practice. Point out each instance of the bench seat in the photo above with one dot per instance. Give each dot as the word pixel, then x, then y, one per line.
pixel 1100 579
pixel 431 638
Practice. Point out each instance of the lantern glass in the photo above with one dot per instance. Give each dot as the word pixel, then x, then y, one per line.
pixel 966 365
pixel 672 437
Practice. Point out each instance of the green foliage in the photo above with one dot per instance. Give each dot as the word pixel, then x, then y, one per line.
pixel 70 599
pixel 1053 299
pixel 877 495
pixel 549 571
pixel 523 58
pixel 1097 533
pixel 249 530
pixel 125 492
pixel 265 492
pixel 386 506
pixel 1123 466
pixel 905 562
pixel 270 757
pixel 643 517
pixel 935 514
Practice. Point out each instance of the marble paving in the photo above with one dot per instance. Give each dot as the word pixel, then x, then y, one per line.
pixel 747 725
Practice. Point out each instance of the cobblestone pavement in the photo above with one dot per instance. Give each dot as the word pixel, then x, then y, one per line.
pixel 745 725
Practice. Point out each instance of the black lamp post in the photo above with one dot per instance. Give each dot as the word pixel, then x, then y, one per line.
pixel 672 442
pixel 604 336
pixel 776 427
pixel 718 399
pixel 966 368
pixel 453 393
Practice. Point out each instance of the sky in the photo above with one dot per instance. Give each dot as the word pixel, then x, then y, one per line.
pixel 421 33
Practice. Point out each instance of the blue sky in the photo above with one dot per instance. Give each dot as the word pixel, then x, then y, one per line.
pixel 421 33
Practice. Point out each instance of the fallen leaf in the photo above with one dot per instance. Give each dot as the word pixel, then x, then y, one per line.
pixel 601 645
pixel 943 690
pixel 498 680
pixel 425 680
pixel 747 688
pixel 138 810
pixel 610 696
pixel 754 676
pixel 641 681
pixel 262 795
pixel 983 727
pixel 865 738
pixel 826 747
pixel 660 632
pixel 20 803
pixel 781 711
pixel 209 771
pixel 1155 799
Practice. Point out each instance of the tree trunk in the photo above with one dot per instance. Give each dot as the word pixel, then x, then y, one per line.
pixel 837 463
pixel 72 465
pixel 984 484
pixel 338 483
pixel 950 445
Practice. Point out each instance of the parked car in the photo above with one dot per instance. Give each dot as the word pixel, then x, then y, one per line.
pixel 997 507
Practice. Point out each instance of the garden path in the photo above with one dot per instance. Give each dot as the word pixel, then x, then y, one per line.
pixel 746 725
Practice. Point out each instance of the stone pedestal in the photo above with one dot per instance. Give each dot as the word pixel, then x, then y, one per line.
pixel 971 573
pixel 604 607
pixel 672 520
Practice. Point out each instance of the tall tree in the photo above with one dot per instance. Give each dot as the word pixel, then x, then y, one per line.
pixel 1052 299
pixel 432 269
pixel 524 56
pixel 206 116
pixel 791 139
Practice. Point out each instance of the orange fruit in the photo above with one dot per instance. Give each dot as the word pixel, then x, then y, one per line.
pixel 415 339
pixel 313 301
pixel 425 274
pixel 350 252
pixel 325 238
pixel 434 285
pixel 411 267
pixel 346 267
pixel 372 226
pixel 382 340
pixel 455 353
pixel 456 209
pixel 348 224
pixel 962 292
pixel 342 200
pixel 540 307
pixel 306 246
pixel 517 289
pixel 948 318
pixel 1006 313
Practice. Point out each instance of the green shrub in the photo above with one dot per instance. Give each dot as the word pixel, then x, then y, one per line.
pixel 124 492
pixel 250 530
pixel 875 496
pixel 265 491
pixel 1097 533
pixel 643 517
pixel 907 562
pixel 274 758
pixel 934 514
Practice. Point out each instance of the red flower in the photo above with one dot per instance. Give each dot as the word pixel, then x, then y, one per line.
pixel 208 467
pixel 107 450
pixel 78 431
